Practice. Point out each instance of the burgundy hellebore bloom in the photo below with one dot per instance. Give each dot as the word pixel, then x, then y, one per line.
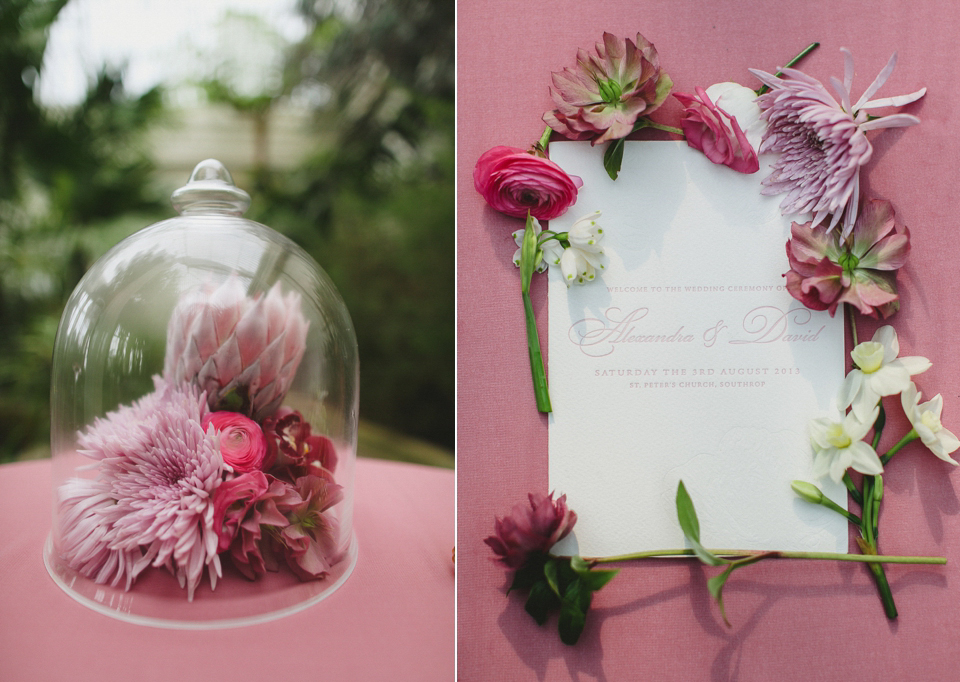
pixel 827 269
pixel 531 529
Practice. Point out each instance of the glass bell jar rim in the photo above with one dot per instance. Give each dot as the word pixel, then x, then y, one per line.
pixel 260 367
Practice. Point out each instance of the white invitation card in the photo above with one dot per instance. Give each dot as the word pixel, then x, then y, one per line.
pixel 686 359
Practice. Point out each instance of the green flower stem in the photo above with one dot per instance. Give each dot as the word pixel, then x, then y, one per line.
pixel 544 140
pixel 878 425
pixel 665 128
pixel 909 438
pixel 868 544
pixel 852 488
pixel 853 323
pixel 830 504
pixel 807 50
pixel 528 258
pixel 756 555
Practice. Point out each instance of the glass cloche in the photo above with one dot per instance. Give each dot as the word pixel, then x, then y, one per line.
pixel 203 422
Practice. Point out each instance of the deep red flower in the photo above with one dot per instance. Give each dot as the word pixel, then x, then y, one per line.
pixel 531 528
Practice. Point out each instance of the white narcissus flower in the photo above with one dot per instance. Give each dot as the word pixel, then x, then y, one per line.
pixel 583 257
pixel 551 248
pixel 925 420
pixel 740 102
pixel 880 372
pixel 838 446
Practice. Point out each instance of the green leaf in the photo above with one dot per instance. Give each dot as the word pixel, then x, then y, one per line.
pixel 593 579
pixel 690 525
pixel 715 586
pixel 613 158
pixel 573 612
pixel 541 601
pixel 550 571
pixel 527 575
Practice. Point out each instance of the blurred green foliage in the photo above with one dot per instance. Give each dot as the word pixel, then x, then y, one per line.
pixel 373 204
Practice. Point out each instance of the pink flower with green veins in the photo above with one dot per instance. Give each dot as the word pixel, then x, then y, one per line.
pixel 827 269
pixel 603 96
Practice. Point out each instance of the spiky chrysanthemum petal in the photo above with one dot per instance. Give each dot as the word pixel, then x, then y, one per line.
pixel 821 142
pixel 152 504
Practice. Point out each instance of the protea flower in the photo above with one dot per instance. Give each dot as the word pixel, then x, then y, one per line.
pixel 531 528
pixel 244 352
pixel 822 142
pixel 152 504
pixel 827 269
pixel 604 95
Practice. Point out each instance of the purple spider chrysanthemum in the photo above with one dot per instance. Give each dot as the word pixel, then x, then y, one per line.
pixel 821 142
pixel 153 501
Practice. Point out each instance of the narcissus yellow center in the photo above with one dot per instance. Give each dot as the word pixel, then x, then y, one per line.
pixel 868 356
pixel 929 419
pixel 837 437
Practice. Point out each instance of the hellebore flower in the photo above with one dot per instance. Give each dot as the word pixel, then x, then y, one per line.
pixel 925 420
pixel 533 528
pixel 514 182
pixel 724 123
pixel 604 95
pixel 244 352
pixel 827 269
pixel 822 142
pixel 291 445
pixel 838 445
pixel 879 372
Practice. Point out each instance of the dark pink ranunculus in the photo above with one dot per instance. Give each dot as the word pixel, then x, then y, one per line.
pixel 531 528
pixel 712 129
pixel 514 181
pixel 242 444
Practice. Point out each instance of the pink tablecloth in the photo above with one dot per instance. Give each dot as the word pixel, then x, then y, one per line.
pixel 392 620
pixel 792 620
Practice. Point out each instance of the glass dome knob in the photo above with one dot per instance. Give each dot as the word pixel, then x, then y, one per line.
pixel 210 190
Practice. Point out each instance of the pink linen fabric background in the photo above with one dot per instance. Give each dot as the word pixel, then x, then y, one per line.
pixel 791 619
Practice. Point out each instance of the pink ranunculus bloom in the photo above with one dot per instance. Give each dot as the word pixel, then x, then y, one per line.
pixel 242 444
pixel 827 269
pixel 716 122
pixel 514 182
pixel 531 528
pixel 603 96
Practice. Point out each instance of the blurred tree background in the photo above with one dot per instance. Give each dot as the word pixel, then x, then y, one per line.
pixel 371 198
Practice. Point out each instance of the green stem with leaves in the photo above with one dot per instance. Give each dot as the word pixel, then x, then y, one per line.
pixel 756 555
